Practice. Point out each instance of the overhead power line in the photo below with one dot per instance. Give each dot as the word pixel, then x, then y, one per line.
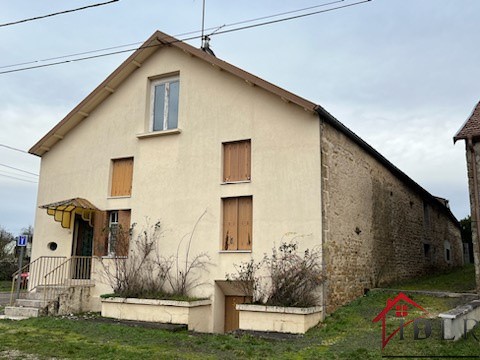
pixel 18 179
pixel 179 40
pixel 14 168
pixel 177 35
pixel 57 13
pixel 28 177
pixel 13 148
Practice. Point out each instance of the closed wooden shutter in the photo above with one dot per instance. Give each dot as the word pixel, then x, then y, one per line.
pixel 123 237
pixel 122 174
pixel 237 223
pixel 244 160
pixel 100 233
pixel 236 161
pixel 245 223
pixel 230 224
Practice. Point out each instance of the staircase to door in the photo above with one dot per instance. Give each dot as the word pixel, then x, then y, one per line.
pixel 47 279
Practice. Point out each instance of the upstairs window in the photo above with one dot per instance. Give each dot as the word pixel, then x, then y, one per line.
pixel 236 161
pixel 165 93
pixel 237 223
pixel 122 174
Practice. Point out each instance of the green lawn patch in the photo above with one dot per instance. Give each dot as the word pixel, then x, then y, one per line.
pixel 5 285
pixel 349 333
pixel 456 280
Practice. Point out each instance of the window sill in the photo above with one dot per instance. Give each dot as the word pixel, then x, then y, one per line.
pixel 119 197
pixel 236 182
pixel 113 257
pixel 235 251
pixel 158 133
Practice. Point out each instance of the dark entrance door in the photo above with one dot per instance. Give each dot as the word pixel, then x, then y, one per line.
pixel 82 249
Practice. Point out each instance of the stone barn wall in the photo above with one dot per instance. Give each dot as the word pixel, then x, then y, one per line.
pixel 377 229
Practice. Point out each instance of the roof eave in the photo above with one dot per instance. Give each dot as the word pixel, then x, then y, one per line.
pixel 133 62
pixel 97 96
pixel 330 119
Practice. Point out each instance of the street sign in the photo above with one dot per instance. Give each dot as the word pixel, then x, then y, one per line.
pixel 22 240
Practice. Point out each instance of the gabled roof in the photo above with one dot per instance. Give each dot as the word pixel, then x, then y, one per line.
pixel 471 127
pixel 157 41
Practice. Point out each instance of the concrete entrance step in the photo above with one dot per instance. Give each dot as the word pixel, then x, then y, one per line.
pixel 22 311
pixel 33 303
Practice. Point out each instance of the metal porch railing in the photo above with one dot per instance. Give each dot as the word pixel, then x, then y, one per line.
pixel 75 271
pixel 31 275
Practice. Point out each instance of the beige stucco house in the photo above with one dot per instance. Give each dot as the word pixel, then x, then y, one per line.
pixel 174 132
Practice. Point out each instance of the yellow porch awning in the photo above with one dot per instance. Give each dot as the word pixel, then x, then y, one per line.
pixel 62 210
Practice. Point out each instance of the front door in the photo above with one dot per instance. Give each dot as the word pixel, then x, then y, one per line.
pixel 231 313
pixel 82 249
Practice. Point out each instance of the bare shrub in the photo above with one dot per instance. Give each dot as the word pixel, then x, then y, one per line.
pixel 135 275
pixel 148 274
pixel 183 276
pixel 292 279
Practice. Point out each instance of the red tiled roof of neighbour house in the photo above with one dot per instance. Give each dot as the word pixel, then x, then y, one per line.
pixel 471 127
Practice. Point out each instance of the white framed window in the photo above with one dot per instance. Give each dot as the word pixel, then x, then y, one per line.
pixel 113 226
pixel 164 104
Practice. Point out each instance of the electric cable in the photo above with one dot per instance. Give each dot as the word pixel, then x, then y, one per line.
pixel 178 40
pixel 13 148
pixel 176 36
pixel 15 178
pixel 16 174
pixel 14 168
pixel 57 13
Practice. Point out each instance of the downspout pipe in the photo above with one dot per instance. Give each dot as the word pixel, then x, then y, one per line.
pixel 475 209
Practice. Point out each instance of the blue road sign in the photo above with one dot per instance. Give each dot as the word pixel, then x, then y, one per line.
pixel 22 240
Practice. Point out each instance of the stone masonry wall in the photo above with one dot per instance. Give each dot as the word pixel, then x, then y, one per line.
pixel 475 240
pixel 376 229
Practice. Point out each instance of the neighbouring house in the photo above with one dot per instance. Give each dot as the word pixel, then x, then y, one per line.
pixel 174 132
pixel 470 132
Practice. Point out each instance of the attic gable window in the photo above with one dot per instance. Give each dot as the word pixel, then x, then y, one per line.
pixel 164 104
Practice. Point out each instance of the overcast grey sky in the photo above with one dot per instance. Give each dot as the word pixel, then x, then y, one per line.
pixel 402 74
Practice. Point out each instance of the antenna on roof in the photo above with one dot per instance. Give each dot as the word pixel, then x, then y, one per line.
pixel 205 38
pixel 203 24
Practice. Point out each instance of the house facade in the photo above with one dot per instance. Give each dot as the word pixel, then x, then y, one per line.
pixel 176 135
pixel 470 132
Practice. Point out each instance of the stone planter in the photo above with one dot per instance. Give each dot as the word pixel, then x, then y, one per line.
pixel 278 319
pixel 194 314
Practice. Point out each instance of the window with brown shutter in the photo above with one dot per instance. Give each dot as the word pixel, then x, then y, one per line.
pixel 119 232
pixel 236 161
pixel 237 223
pixel 111 233
pixel 100 233
pixel 122 173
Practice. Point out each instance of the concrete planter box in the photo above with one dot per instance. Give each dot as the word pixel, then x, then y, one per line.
pixel 278 319
pixel 194 314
